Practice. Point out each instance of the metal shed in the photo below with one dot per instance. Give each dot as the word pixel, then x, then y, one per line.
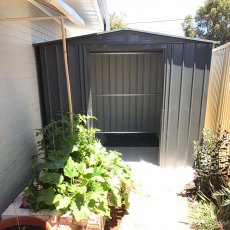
pixel 134 82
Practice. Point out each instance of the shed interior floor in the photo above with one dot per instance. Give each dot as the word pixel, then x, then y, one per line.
pixel 129 139
pixel 138 154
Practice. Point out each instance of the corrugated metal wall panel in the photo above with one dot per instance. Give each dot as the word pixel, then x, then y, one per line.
pixel 174 101
pixel 218 103
pixel 200 62
pixel 186 83
pixel 76 83
pixel 54 81
pixel 127 91
pixel 185 103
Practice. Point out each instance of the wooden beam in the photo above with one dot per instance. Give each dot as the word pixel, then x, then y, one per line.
pixel 67 74
pixel 31 18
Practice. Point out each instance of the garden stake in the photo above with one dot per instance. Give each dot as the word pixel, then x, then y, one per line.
pixel 16 216
pixel 67 75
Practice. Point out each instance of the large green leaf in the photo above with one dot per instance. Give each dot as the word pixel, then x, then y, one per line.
pixel 79 210
pixel 53 164
pixel 103 209
pixel 82 168
pixel 79 200
pixel 81 214
pixel 98 178
pixel 126 200
pixel 63 203
pixel 74 188
pixel 114 181
pixel 98 187
pixel 47 196
pixel 115 197
pixel 58 155
pixel 75 148
pixel 61 188
pixel 71 168
pixel 53 178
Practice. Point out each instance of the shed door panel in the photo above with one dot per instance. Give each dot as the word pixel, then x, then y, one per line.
pixel 127 91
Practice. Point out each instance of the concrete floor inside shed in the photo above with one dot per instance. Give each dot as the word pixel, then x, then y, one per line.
pixel 154 203
pixel 138 154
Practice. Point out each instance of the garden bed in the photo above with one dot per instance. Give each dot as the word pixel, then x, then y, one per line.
pixel 76 177
pixel 66 221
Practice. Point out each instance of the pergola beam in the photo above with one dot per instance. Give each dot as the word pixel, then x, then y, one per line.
pixel 31 18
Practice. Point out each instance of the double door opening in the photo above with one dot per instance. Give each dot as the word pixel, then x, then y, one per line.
pixel 127 96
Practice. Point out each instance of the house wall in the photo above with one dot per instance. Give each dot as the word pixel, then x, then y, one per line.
pixel 19 98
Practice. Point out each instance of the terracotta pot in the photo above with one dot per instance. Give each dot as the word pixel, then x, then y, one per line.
pixel 25 220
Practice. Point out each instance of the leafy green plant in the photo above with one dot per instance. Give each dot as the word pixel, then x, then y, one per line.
pixel 220 208
pixel 77 173
pixel 222 199
pixel 203 217
pixel 211 161
pixel 225 193
pixel 211 209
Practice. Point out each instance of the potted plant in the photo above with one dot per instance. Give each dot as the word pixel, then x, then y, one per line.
pixel 24 222
pixel 77 175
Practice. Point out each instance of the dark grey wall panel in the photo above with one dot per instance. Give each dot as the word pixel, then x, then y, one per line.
pixel 197 98
pixel 74 72
pixel 174 100
pixel 185 91
pixel 127 91
pixel 54 81
pixel 185 101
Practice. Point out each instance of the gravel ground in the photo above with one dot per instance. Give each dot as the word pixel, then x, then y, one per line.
pixel 154 203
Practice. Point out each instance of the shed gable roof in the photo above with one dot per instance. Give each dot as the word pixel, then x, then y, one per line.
pixel 130 36
pixel 139 36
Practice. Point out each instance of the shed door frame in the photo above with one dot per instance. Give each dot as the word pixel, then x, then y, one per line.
pixel 128 87
pixel 166 85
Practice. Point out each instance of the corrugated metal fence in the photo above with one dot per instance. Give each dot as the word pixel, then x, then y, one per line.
pixel 218 103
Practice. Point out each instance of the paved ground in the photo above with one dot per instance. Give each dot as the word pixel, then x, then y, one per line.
pixel 154 204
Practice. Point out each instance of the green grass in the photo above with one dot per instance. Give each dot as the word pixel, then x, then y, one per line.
pixel 202 216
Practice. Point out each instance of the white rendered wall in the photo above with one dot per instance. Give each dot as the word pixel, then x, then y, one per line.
pixel 19 98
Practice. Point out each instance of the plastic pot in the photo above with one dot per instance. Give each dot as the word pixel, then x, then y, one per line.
pixel 25 220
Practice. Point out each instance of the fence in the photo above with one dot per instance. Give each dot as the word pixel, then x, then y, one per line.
pixel 218 102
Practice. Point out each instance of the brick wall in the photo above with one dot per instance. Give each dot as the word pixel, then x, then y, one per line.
pixel 19 99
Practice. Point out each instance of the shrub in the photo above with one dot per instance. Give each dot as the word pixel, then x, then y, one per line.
pixel 211 161
pixel 77 173
pixel 203 216
pixel 222 199
pixel 220 206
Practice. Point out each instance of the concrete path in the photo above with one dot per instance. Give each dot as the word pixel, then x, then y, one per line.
pixel 154 204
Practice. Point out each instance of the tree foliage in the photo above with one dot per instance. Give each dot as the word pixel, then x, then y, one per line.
pixel 212 21
pixel 117 21
pixel 188 27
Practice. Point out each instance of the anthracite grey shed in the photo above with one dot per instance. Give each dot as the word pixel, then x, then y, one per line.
pixel 134 82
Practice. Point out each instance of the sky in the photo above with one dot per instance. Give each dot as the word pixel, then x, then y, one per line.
pixel 155 10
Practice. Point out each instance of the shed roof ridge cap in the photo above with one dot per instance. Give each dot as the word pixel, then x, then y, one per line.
pixel 159 34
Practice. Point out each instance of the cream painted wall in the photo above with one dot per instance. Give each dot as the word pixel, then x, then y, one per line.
pixel 19 98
